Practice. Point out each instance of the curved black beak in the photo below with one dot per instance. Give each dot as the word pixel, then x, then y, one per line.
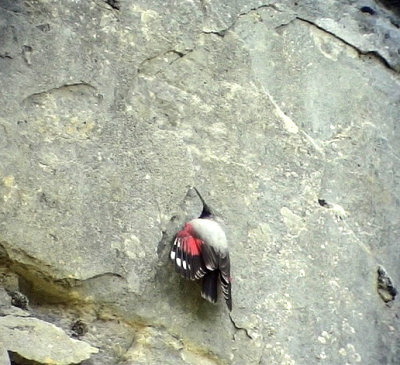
pixel 207 212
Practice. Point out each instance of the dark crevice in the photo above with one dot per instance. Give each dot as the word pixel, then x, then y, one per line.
pixel 271 6
pixel 26 53
pixel 337 210
pixel 6 55
pixel 237 328
pixel 323 203
pixel 219 33
pixel 79 329
pixel 367 10
pixel 19 300
pixel 222 32
pixel 385 287
pixel 393 5
pixel 77 88
pixel 16 359
pixel 44 27
pixel 283 25
pixel 180 55
pixel 379 57
pixel 114 4
pixel 360 52
pixel 37 284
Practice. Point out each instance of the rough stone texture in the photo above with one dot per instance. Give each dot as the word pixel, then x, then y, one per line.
pixel 283 115
pixel 4 358
pixel 32 341
pixel 37 340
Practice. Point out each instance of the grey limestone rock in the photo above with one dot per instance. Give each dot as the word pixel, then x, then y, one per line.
pixel 36 340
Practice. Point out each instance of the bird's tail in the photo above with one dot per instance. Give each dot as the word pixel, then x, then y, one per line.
pixel 209 290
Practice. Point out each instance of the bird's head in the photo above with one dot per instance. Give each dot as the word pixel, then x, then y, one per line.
pixel 207 212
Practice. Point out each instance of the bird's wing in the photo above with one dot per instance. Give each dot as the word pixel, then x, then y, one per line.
pixel 219 260
pixel 194 258
pixel 210 257
pixel 226 280
pixel 186 252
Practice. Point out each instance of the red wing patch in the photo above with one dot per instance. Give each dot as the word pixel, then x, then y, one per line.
pixel 186 253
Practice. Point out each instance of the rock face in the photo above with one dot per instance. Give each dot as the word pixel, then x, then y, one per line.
pixel 42 342
pixel 284 115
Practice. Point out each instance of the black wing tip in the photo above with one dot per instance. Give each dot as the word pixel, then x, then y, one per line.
pixel 210 299
pixel 227 291
pixel 209 290
pixel 213 300
pixel 228 298
pixel 229 304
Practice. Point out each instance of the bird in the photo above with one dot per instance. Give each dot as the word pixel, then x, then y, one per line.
pixel 200 251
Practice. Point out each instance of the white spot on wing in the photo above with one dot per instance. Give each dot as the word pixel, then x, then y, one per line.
pixel 178 262
pixel 172 255
pixel 184 264
pixel 199 273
